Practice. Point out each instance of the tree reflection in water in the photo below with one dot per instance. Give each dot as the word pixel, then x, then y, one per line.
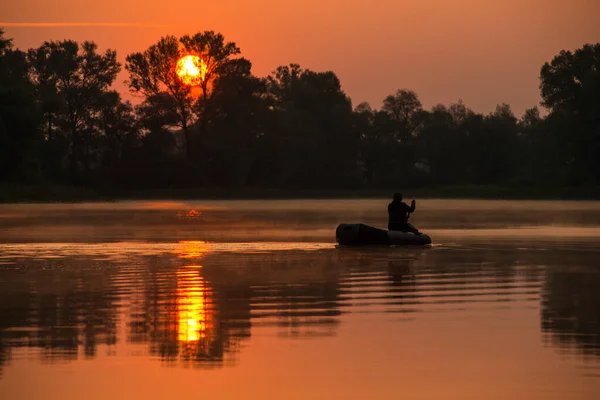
pixel 570 310
pixel 196 308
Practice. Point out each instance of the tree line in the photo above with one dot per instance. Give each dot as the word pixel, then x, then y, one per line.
pixel 61 122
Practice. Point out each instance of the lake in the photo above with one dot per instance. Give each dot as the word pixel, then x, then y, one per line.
pixel 254 300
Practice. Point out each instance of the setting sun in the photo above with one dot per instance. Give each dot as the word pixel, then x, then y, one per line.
pixel 191 70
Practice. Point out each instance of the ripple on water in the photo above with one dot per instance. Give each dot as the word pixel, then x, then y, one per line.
pixel 499 304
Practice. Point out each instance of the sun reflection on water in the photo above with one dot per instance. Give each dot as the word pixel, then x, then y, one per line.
pixel 195 317
pixel 195 309
pixel 191 249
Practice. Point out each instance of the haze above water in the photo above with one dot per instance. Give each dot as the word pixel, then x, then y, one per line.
pixel 252 299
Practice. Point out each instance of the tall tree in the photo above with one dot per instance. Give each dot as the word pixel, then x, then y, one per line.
pixel 570 86
pixel 240 119
pixel 74 81
pixel 316 142
pixel 119 128
pixel 571 82
pixel 498 147
pixel 20 136
pixel 216 54
pixel 153 74
pixel 442 145
pixel 388 153
pixel 404 108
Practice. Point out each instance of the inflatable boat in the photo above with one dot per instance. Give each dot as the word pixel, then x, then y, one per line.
pixel 361 234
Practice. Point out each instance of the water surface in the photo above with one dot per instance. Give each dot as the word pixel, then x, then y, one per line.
pixel 252 299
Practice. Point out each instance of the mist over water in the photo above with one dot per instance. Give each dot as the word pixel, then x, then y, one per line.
pixel 279 221
pixel 253 299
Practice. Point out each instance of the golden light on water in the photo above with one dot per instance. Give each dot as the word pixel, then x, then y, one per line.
pixel 195 318
pixel 191 70
pixel 191 249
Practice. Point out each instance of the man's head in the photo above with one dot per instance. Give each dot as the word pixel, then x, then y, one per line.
pixel 398 196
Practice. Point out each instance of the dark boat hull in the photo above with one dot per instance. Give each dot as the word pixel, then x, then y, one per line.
pixel 363 235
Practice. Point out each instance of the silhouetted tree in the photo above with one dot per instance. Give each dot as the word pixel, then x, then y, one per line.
pixel 387 149
pixel 570 87
pixel 571 82
pixel 216 53
pixel 531 118
pixel 442 144
pixel 316 144
pixel 74 83
pixel 121 133
pixel 383 159
pixel 240 117
pixel 459 146
pixel 20 137
pixel 61 121
pixel 497 146
pixel 153 74
pixel 404 108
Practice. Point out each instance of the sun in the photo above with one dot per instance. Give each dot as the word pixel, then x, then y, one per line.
pixel 191 70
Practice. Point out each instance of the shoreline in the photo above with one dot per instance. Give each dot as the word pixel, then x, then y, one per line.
pixel 70 194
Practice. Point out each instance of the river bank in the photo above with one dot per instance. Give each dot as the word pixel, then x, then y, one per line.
pixel 56 193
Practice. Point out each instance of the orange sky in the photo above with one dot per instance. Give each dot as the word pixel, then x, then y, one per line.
pixel 483 51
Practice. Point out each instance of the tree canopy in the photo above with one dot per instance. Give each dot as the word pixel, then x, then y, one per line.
pixel 62 122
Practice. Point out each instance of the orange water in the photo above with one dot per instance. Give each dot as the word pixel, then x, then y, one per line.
pixel 254 300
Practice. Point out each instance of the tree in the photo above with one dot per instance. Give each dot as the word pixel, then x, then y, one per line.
pixel 570 87
pixel 316 143
pixel 460 113
pixel 442 145
pixel 20 136
pixel 531 118
pixel 380 151
pixel 363 108
pixel 5 43
pixel 533 148
pixel 153 74
pixel 240 118
pixel 117 122
pixel 216 54
pixel 388 154
pixel 403 107
pixel 498 146
pixel 571 82
pixel 73 82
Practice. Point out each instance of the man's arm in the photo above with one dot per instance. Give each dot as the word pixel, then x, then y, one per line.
pixel 413 205
pixel 406 208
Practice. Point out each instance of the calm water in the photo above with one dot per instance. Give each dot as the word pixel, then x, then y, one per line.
pixel 253 300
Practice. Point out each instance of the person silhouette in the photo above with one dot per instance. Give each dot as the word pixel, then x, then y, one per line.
pixel 398 214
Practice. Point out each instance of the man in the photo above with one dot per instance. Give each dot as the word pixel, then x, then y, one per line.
pixel 399 213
